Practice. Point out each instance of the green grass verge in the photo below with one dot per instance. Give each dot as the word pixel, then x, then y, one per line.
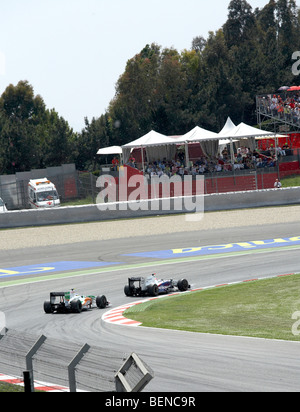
pixel 79 202
pixel 7 387
pixel 291 181
pixel 262 308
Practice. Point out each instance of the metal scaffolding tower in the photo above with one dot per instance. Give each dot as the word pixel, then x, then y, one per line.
pixel 278 118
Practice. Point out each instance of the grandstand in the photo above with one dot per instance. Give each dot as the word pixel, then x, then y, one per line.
pixel 280 113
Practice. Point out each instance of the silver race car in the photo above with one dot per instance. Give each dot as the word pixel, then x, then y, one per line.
pixel 151 286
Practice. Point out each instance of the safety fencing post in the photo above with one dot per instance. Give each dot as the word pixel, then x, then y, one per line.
pixel 28 382
pixel 72 365
pixel 29 356
pixel 3 332
pixel 133 376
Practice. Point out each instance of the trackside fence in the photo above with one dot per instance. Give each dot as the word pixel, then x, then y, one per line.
pixel 72 365
pixel 74 186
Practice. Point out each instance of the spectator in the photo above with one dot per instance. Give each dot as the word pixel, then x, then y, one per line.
pixel 181 157
pixel 115 163
pixel 259 162
pixel 131 161
pixel 280 151
pixel 271 162
pixel 272 150
pixel 285 146
pixel 277 184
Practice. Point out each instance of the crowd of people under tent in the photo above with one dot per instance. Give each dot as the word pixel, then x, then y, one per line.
pixel 244 159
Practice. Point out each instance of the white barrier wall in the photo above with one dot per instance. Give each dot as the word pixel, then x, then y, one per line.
pixel 91 213
pixel 259 198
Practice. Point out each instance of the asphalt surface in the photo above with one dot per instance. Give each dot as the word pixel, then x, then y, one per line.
pixel 181 361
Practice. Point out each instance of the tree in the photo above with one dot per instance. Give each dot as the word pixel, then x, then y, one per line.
pixel 221 85
pixel 240 23
pixel 267 43
pixel 198 44
pixel 57 140
pixel 95 135
pixel 288 32
pixel 30 135
pixel 136 94
pixel 19 103
pixel 171 113
pixel 20 110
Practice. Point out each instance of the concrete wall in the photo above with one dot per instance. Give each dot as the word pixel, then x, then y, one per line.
pixel 249 199
pixel 91 213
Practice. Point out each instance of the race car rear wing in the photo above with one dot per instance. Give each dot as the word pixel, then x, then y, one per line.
pixel 57 293
pixel 54 295
pixel 133 279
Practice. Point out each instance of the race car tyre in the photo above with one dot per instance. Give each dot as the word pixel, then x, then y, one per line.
pixel 153 290
pixel 101 302
pixel 183 285
pixel 128 290
pixel 48 307
pixel 76 306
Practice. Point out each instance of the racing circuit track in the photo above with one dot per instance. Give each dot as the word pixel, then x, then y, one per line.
pixel 181 361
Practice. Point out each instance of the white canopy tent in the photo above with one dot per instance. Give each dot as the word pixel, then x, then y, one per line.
pixel 152 138
pixel 231 133
pixel 229 126
pixel 157 145
pixel 244 131
pixel 208 141
pixel 198 134
pixel 110 150
pixel 228 129
pixel 160 146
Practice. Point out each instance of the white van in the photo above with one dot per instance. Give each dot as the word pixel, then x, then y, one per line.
pixel 42 194
pixel 2 206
